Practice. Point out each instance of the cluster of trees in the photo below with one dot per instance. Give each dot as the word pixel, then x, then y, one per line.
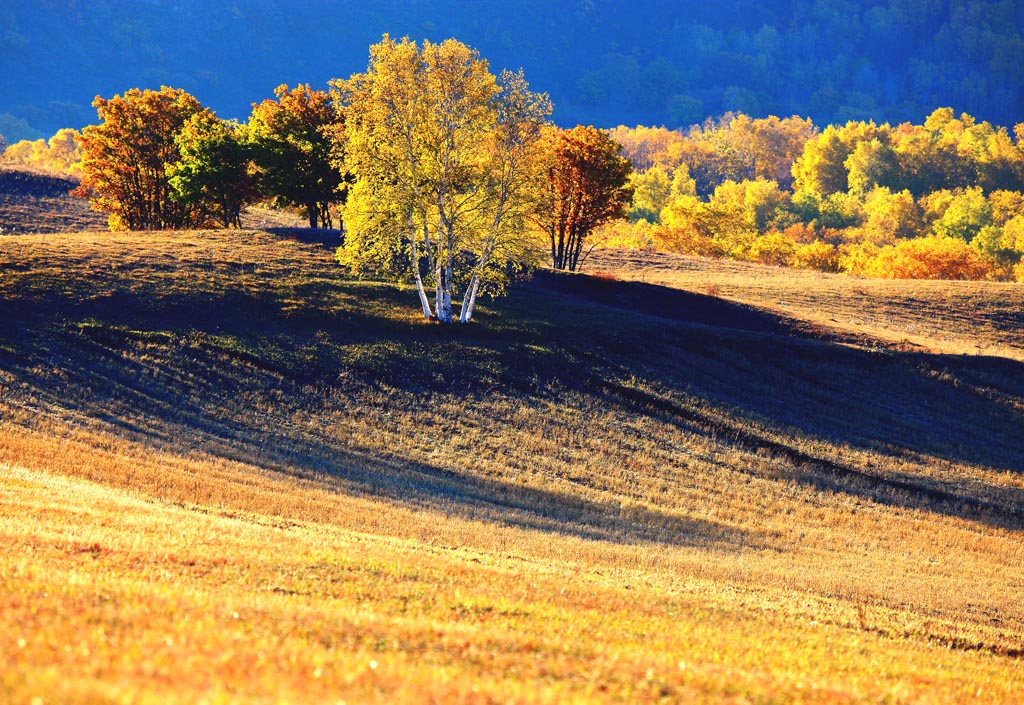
pixel 59 154
pixel 943 199
pixel 445 174
pixel 158 159
pixel 458 171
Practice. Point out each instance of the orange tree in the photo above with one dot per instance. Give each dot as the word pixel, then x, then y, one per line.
pixel 125 159
pixel 587 186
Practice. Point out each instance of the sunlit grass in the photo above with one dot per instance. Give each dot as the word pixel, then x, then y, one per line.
pixel 564 502
pixel 952 317
pixel 111 597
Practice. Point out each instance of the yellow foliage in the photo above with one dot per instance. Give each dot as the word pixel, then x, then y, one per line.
pixel 60 154
pixel 1013 232
pixel 933 257
pixel 855 258
pixel 890 216
pixel 818 255
pixel 1018 272
pixel 773 248
pixel 648 147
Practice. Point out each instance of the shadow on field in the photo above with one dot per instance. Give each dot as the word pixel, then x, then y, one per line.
pixel 906 408
pixel 183 367
pixel 472 496
pixel 156 404
pixel 78 358
pixel 663 302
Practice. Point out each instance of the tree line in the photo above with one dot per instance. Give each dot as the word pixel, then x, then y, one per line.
pixel 941 199
pixel 452 177
pixel 444 174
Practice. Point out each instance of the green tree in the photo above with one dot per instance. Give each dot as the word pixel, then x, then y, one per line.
pixel 997 246
pixel 824 165
pixel 967 213
pixel 872 163
pixel 126 157
pixel 296 149
pixel 651 192
pixel 890 216
pixel 215 172
pixel 587 186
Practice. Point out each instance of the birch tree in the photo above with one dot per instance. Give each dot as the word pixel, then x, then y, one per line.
pixel 443 156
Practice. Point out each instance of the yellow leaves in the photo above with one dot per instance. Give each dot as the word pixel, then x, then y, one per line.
pixel 932 257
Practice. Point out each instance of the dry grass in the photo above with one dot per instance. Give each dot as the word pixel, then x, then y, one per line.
pixel 567 501
pixel 38 201
pixel 945 317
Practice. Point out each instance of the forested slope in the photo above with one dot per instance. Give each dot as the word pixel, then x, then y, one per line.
pixel 606 63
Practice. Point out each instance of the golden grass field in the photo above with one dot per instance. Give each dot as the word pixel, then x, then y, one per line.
pixel 230 474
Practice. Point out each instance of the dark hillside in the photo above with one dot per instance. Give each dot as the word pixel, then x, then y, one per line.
pixel 34 202
pixel 253 347
pixel 40 202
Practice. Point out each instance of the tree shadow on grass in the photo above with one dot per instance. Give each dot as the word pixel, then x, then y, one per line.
pixel 138 358
pixel 769 372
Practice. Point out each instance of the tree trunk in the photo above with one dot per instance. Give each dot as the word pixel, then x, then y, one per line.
pixel 312 213
pixel 444 295
pixel 469 301
pixel 424 301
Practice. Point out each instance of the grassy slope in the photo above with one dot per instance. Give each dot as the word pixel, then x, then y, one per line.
pixel 571 499
pixel 38 201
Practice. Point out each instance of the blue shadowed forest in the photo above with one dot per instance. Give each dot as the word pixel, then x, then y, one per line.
pixel 653 62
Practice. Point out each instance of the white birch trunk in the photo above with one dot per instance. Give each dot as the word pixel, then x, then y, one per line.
pixel 469 301
pixel 424 301
pixel 444 304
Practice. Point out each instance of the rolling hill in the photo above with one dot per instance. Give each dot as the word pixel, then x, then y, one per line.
pixel 230 474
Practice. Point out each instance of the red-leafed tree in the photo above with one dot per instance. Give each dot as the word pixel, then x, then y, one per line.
pixel 587 186
pixel 125 159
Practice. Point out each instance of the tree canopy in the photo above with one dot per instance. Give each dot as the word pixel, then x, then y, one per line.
pixel 125 159
pixel 442 152
pixel 295 148
pixel 587 185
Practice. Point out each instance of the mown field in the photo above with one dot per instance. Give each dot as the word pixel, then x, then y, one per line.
pixel 229 474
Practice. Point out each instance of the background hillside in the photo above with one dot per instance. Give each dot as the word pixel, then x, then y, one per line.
pixel 604 62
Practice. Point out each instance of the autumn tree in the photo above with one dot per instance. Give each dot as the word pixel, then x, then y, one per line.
pixel 890 216
pixel 295 149
pixel 736 147
pixel 446 166
pixel 587 186
pixel 125 159
pixel 215 170
pixel 932 257
pixel 651 192
pixel 967 212
pixel 647 147
pixel 824 165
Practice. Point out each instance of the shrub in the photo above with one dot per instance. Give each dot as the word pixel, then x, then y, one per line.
pixel 933 257
pixel 818 255
pixel 773 248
